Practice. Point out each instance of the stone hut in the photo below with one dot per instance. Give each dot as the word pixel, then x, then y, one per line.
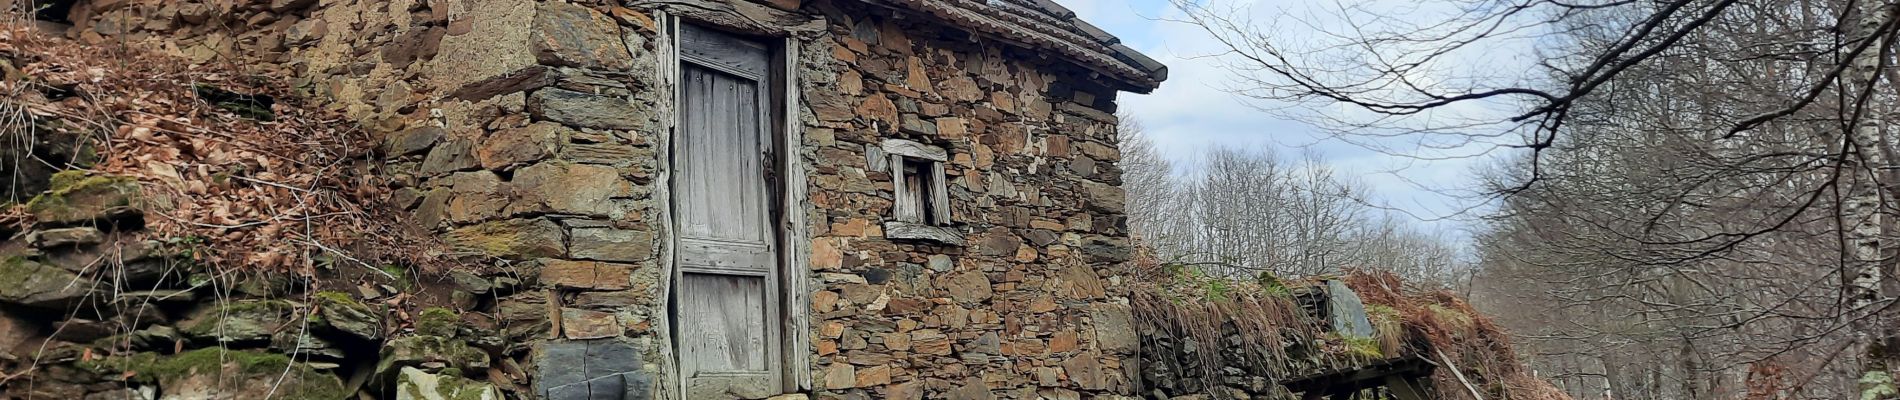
pixel 899 199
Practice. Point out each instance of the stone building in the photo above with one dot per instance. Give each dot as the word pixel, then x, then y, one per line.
pixel 743 198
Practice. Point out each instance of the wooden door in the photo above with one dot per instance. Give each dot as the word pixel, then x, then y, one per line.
pixel 727 312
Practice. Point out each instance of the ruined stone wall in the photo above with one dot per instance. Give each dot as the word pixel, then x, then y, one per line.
pixel 527 135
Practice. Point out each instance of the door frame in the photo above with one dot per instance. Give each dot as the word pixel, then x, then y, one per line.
pixel 789 188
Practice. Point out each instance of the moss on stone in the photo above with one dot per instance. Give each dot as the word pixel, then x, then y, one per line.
pixel 437 321
pixel 250 365
pixel 64 180
pixel 416 350
pixel 74 196
pixel 335 297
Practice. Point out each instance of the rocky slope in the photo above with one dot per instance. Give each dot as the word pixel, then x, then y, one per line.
pixel 180 230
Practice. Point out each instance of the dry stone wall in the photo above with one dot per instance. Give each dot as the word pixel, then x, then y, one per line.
pixel 529 136
pixel 1031 306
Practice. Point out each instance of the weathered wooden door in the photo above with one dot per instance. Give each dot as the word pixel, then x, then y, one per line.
pixel 726 305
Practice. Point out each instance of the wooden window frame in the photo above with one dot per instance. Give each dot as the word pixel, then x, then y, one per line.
pixel 929 218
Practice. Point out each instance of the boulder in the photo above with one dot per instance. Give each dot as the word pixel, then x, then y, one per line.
pixel 413 384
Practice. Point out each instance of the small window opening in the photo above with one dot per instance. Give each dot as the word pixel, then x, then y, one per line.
pixel 914 203
pixel 921 204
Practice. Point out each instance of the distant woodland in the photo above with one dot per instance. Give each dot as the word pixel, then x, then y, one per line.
pixel 1681 199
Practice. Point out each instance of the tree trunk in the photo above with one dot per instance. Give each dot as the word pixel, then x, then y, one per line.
pixel 1861 210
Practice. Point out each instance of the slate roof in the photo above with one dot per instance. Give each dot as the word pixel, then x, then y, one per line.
pixel 1045 25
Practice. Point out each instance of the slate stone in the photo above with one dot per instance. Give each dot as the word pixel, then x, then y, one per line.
pixel 571 35
pixel 1347 311
pixel 38 285
pixel 450 156
pixel 608 244
pixel 611 357
pixel 584 110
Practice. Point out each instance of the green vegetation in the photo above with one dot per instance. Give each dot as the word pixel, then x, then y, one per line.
pixel 1877 385
pixel 74 196
pixel 1273 286
pixel 437 321
pixel 250 365
pixel 1364 347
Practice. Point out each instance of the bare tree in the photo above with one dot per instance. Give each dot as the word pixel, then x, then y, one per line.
pixel 1718 173
pixel 1240 213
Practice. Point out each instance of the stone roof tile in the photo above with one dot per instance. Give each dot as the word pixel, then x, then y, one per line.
pixel 1047 25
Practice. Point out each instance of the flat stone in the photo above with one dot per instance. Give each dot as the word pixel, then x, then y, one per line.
pixel 929 341
pixel 64 237
pixel 1114 328
pixel 568 188
pixel 524 316
pixel 243 321
pixel 76 198
pixel 605 153
pixel 430 351
pixel 228 374
pixel 1105 197
pixel 1085 370
pixel 570 35
pixel 521 80
pixel 1347 311
pixel 474 196
pixel 450 156
pixel 917 126
pixel 609 244
pixel 583 110
pixel 510 148
pixel 412 141
pixel 79 330
pixel 29 283
pixel 612 300
pixel 518 239
pixel 343 314
pixel 588 324
pixel 967 287
pixel 839 376
pixel 586 275
pixel 878 108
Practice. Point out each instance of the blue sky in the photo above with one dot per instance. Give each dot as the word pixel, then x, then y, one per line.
pixel 1191 111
